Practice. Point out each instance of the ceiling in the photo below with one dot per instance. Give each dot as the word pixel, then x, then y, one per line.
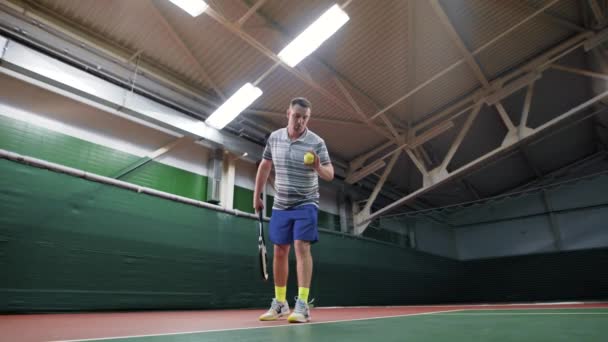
pixel 393 67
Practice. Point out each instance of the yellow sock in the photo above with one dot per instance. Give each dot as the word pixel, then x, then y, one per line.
pixel 280 292
pixel 303 293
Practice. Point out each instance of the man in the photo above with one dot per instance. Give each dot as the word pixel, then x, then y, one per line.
pixel 294 213
pixel 271 173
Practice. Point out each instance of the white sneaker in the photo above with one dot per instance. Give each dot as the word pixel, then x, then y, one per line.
pixel 301 313
pixel 276 311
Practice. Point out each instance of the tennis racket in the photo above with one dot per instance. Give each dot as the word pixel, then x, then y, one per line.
pixel 262 249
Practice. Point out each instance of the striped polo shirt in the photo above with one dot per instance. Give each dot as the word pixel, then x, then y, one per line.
pixel 295 183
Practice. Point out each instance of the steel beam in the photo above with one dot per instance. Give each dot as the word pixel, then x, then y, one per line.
pixel 533 68
pixel 523 122
pixel 421 138
pixel 355 176
pixel 598 39
pixel 358 218
pixel 359 161
pixel 378 163
pixel 597 11
pixel 511 87
pixel 579 71
pixel 459 138
pixel 182 45
pixel 251 11
pixel 504 117
pixel 423 156
pixel 470 101
pixel 458 172
pixel 461 61
pixel 419 165
pixel 455 37
pixel 348 95
pixel 380 183
pixel 470 60
pixel 554 18
pixel 522 130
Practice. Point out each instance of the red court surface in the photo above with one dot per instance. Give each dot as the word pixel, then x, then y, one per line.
pixel 59 327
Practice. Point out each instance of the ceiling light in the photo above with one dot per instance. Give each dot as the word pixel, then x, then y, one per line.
pixel 234 106
pixel 193 7
pixel 309 40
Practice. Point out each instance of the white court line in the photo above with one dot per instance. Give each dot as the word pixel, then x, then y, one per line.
pixel 460 305
pixel 550 303
pixel 251 328
pixel 533 309
pixel 523 313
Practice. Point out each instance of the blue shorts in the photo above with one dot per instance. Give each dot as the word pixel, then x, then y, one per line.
pixel 299 223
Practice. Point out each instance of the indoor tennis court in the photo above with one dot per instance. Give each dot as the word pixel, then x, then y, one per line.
pixel 554 322
pixel 320 170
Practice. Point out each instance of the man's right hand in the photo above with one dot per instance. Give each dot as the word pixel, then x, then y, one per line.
pixel 258 204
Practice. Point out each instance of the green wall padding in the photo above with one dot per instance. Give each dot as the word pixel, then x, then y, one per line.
pixel 70 244
pixel 34 141
pixel 329 221
pixel 243 199
pixel 269 203
pixel 169 179
pixel 383 235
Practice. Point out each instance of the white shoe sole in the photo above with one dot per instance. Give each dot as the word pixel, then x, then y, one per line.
pixel 268 319
pixel 298 320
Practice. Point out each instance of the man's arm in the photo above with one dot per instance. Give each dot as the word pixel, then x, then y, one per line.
pixel 260 182
pixel 326 172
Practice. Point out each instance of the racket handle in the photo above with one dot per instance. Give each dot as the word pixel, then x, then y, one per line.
pixel 260 215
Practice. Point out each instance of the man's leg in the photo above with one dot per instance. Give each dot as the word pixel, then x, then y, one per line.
pixel 304 267
pixel 281 235
pixel 305 233
pixel 280 266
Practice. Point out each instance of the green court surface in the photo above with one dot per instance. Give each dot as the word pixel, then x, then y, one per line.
pixel 538 325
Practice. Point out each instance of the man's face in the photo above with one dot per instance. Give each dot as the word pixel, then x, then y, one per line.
pixel 297 118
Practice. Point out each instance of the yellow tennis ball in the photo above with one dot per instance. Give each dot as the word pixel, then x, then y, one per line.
pixel 309 158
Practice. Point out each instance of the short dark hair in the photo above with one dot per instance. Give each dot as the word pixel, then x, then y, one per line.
pixel 301 101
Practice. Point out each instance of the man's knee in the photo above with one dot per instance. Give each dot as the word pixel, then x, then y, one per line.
pixel 281 251
pixel 302 247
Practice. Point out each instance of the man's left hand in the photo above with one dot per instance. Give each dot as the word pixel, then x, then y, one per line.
pixel 316 164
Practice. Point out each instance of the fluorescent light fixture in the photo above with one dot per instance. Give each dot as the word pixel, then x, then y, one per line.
pixel 309 40
pixel 193 7
pixel 234 106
